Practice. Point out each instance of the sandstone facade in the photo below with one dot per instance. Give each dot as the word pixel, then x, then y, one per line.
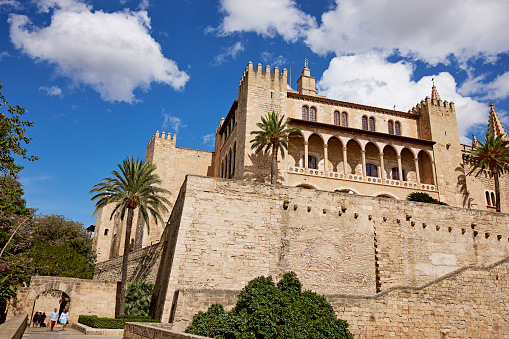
pixel 340 146
pixel 339 220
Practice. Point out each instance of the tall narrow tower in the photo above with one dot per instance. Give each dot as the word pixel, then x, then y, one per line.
pixel 438 123
pixel 260 92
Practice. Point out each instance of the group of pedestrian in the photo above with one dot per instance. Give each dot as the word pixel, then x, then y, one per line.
pixel 39 319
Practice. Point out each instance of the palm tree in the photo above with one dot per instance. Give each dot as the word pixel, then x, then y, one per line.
pixel 492 155
pixel 134 187
pixel 273 136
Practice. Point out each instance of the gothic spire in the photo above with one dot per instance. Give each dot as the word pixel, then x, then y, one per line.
pixel 434 93
pixel 475 143
pixel 495 126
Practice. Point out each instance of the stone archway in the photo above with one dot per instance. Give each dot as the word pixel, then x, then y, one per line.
pixel 48 296
pixel 48 301
pixel 86 296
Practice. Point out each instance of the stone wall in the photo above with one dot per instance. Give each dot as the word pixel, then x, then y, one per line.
pixel 143 264
pixel 154 330
pixel 472 302
pixel 225 233
pixel 186 303
pixel 87 296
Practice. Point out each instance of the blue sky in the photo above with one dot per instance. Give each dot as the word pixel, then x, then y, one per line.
pixel 98 78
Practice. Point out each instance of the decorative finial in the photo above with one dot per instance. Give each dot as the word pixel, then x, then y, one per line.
pixel 306 62
pixel 491 106
pixel 433 81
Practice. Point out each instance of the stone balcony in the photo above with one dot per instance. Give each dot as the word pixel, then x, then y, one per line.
pixel 360 178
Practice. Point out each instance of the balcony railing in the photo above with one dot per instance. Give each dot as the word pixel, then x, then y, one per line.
pixel 360 178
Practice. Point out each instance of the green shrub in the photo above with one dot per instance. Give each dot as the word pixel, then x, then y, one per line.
pixel 423 197
pixel 138 298
pixel 264 310
pixel 96 322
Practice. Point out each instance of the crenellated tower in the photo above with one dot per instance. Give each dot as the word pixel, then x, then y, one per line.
pixel 260 91
pixel 438 123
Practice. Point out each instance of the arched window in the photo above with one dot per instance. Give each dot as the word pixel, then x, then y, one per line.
pixel 395 174
pixel 305 113
pixel 493 200
pixel 311 162
pixel 391 127
pixel 371 170
pixel 365 123
pixel 106 231
pixel 371 124
pixel 336 118
pixel 234 156
pixel 231 165
pixel 397 127
pixel 488 200
pixel 312 114
pixel 344 119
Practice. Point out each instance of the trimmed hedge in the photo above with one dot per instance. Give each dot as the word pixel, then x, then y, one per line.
pixel 96 322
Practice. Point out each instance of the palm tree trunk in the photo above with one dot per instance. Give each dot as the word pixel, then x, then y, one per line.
pixel 497 190
pixel 125 260
pixel 273 167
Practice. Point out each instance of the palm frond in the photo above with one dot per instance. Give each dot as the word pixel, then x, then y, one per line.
pixel 133 185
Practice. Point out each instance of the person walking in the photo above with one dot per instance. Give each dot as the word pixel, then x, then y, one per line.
pixel 64 318
pixel 53 317
pixel 35 320
pixel 42 320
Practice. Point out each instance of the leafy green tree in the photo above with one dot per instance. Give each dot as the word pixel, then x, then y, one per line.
pixel 135 186
pixel 423 197
pixel 273 135
pixel 11 197
pixel 59 260
pixel 58 230
pixel 12 136
pixel 266 310
pixel 7 292
pixel 138 298
pixel 492 155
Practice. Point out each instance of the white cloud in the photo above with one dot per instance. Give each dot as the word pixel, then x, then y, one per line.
pixel 265 17
pixel 4 54
pixel 429 30
pixel 208 139
pixel 53 90
pixel 230 52
pixel 112 52
pixel 10 3
pixel 497 89
pixel 143 5
pixel 269 59
pixel 370 79
pixel 173 122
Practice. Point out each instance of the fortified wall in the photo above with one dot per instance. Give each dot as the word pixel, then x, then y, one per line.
pixel 143 265
pixel 223 233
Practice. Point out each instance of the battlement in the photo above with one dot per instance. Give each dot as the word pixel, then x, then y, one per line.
pixel 259 72
pixel 427 102
pixel 163 136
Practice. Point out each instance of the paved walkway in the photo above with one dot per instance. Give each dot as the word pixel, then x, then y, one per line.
pixel 68 333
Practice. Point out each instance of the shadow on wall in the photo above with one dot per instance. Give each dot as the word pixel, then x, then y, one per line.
pixel 462 184
pixel 259 171
pixel 144 266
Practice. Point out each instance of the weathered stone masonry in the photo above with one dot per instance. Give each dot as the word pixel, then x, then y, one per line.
pixel 223 233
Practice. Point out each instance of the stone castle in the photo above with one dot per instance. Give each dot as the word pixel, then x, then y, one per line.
pixel 339 219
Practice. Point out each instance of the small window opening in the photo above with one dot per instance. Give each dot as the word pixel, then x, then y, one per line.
pixel 371 170
pixel 106 231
